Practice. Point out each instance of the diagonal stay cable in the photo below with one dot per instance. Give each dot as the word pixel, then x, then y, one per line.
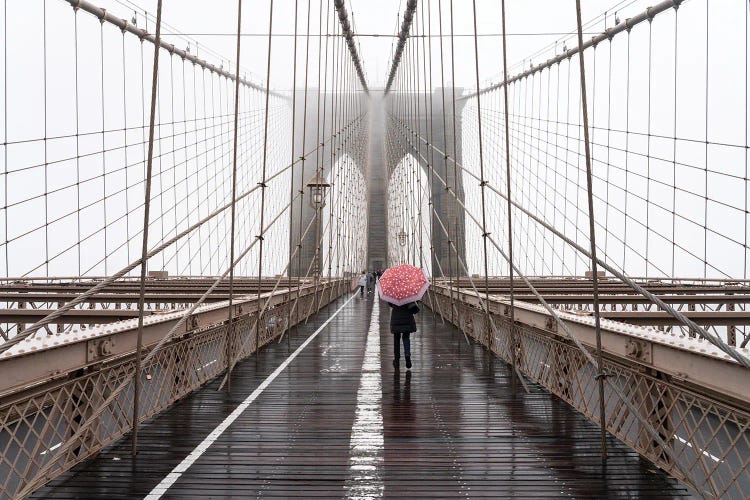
pixel 608 34
pixel 403 35
pixel 269 295
pixel 94 415
pixel 349 37
pixel 278 281
pixel 122 272
pixel 679 316
pixel 104 16
pixel 232 360
pixel 563 325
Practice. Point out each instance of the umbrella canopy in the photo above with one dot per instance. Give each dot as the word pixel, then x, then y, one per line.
pixel 402 284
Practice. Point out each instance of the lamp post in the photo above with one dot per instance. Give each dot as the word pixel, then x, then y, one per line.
pixel 318 187
pixel 402 238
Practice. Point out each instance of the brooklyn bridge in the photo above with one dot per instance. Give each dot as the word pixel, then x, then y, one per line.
pixel 190 192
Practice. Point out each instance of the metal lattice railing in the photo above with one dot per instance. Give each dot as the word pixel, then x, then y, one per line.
pixel 37 425
pixel 708 439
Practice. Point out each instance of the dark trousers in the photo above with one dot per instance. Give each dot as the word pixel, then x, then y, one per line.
pixel 397 339
pixel 361 289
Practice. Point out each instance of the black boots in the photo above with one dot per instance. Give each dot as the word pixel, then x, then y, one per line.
pixel 408 362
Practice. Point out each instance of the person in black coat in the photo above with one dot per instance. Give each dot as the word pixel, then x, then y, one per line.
pixel 403 324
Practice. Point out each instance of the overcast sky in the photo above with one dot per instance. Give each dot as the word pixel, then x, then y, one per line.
pixel 41 91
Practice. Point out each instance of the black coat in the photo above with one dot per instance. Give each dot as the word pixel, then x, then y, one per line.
pixel 402 318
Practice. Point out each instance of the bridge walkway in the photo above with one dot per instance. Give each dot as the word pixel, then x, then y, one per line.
pixel 338 421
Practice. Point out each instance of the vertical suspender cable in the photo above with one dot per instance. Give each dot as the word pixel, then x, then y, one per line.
pixel 592 236
pixel 291 176
pixel 648 137
pixel 332 161
pixel 314 261
pixel 512 328
pixel 706 148
pixel 263 172
pixel 5 131
pixel 430 111
pixel 340 148
pixel 430 150
pixel 144 243
pixel 173 168
pixel 230 326
pixel 626 162
pixel 482 181
pixel 413 65
pixel 403 35
pixel 302 160
pixel 445 157
pixel 341 226
pixel 747 113
pixel 455 156
pixel 421 94
pixel 745 335
pixel 46 164
pixel 187 165
pixel 414 46
pixel 320 137
pixel 336 90
pixel 416 96
pixel 674 145
pixel 125 141
pixel 104 154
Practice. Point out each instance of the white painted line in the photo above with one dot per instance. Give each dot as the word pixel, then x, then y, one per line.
pixel 53 448
pixel 366 442
pixel 704 452
pixel 173 476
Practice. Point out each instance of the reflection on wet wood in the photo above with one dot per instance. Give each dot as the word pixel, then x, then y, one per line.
pixel 452 426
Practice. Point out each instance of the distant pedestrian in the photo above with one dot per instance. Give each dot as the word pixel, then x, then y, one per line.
pixel 402 325
pixel 370 282
pixel 362 283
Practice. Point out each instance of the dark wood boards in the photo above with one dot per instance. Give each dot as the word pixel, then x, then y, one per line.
pixel 453 426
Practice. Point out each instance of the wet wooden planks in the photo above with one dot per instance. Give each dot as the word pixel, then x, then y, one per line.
pixel 452 427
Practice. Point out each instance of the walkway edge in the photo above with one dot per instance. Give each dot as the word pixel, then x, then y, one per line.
pixel 161 488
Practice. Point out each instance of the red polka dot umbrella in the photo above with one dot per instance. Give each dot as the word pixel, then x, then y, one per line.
pixel 402 284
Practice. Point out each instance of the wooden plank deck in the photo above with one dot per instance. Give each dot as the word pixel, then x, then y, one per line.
pixel 326 427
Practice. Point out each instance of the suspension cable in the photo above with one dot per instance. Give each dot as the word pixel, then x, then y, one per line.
pixel 677 315
pixel 403 35
pixel 349 36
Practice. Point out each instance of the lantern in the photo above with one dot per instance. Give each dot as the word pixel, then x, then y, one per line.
pixel 318 186
pixel 402 238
